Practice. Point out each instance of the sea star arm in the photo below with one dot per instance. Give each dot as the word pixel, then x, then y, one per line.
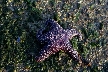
pixel 46 52
pixel 72 32
pixel 53 24
pixel 75 55
pixel 71 52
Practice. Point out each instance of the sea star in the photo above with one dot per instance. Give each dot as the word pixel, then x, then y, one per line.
pixel 55 38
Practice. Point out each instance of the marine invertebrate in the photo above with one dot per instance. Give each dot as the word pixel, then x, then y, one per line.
pixel 55 38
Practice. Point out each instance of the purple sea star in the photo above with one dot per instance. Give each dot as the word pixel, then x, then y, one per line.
pixel 56 39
